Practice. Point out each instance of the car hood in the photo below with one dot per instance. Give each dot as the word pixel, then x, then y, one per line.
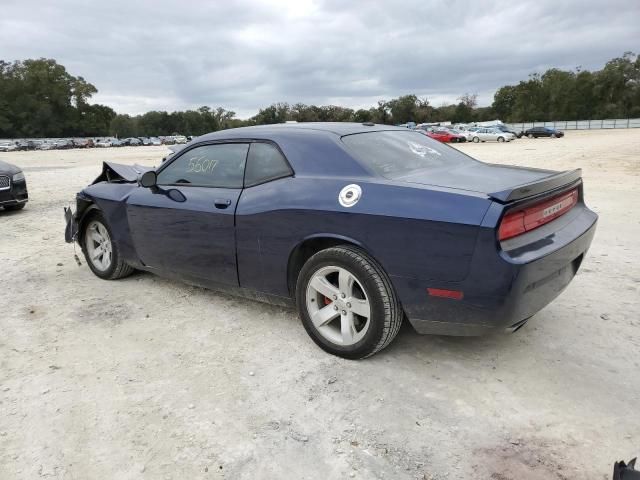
pixel 116 172
pixel 479 177
pixel 8 168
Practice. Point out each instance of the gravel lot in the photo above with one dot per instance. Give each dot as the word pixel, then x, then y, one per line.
pixel 149 378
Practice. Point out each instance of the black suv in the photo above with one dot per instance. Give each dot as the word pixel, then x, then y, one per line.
pixel 536 132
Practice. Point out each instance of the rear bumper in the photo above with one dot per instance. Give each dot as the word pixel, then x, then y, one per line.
pixel 15 195
pixel 503 291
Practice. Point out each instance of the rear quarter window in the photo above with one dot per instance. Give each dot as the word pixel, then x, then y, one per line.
pixel 265 163
pixel 395 153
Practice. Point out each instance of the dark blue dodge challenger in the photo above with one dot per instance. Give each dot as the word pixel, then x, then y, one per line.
pixel 359 224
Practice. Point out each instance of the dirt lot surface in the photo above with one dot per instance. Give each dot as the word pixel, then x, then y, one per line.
pixel 149 378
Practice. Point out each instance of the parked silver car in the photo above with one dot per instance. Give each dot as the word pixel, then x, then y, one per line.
pixel 8 146
pixel 491 135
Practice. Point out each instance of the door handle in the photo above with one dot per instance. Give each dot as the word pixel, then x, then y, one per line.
pixel 222 203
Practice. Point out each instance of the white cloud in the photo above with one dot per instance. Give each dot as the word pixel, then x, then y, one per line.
pixel 246 54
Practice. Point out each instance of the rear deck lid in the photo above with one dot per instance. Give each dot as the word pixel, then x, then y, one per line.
pixel 503 183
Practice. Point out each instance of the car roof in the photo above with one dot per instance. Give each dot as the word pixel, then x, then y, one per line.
pixel 311 148
pixel 266 131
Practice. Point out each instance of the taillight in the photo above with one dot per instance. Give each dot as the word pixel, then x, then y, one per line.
pixel 520 221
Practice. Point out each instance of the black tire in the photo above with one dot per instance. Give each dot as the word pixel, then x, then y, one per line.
pixel 386 311
pixel 530 135
pixel 501 139
pixel 13 208
pixel 475 139
pixel 118 268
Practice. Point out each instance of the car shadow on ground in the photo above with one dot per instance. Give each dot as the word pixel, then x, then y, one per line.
pixel 407 343
pixel 10 213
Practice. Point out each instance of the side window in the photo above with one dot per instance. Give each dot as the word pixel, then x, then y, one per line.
pixel 218 165
pixel 264 163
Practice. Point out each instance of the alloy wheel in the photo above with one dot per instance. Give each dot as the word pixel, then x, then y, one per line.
pixel 338 305
pixel 98 245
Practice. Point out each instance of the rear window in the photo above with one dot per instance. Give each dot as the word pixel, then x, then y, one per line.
pixel 396 153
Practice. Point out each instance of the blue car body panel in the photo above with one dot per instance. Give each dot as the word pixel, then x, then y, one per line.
pixel 429 230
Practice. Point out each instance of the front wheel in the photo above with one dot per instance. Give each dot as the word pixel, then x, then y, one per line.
pixel 347 303
pixel 501 139
pixel 475 140
pixel 101 252
pixel 530 135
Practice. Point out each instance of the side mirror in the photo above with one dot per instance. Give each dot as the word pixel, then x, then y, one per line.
pixel 148 179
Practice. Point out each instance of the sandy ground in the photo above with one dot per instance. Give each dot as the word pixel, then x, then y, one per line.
pixel 149 378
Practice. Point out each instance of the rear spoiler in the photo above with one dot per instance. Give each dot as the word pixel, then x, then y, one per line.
pixel 539 186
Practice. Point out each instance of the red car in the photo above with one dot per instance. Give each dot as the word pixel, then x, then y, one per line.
pixel 445 136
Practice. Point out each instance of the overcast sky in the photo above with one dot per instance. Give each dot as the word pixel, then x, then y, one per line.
pixel 247 54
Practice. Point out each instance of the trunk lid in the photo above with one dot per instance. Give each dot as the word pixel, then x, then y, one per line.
pixel 502 183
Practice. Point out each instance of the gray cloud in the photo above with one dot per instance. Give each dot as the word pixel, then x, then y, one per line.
pixel 246 54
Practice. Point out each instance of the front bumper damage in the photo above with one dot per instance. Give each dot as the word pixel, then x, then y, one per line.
pixel 71 228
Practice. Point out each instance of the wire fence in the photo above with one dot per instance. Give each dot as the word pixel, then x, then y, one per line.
pixel 580 124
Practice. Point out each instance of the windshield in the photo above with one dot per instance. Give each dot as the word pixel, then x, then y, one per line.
pixel 393 154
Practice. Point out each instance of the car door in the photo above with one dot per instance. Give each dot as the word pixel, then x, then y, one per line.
pixel 185 226
pixel 258 220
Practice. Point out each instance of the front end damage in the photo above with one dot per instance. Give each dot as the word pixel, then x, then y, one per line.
pixel 118 173
pixel 111 173
pixel 73 220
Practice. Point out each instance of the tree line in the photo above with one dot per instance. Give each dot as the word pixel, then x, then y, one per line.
pixel 39 98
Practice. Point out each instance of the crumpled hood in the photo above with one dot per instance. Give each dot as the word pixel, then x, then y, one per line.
pixel 116 172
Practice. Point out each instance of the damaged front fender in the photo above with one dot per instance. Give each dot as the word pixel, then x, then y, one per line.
pixel 71 230
pixel 84 205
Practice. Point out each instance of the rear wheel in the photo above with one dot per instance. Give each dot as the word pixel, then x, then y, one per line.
pixel 530 135
pixel 100 252
pixel 553 135
pixel 346 303
pixel 475 139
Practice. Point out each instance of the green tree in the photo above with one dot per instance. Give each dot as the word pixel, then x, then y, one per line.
pixel 404 108
pixel 123 126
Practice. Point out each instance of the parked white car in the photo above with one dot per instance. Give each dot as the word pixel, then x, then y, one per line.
pixel 491 135
pixel 103 143
pixel 8 147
